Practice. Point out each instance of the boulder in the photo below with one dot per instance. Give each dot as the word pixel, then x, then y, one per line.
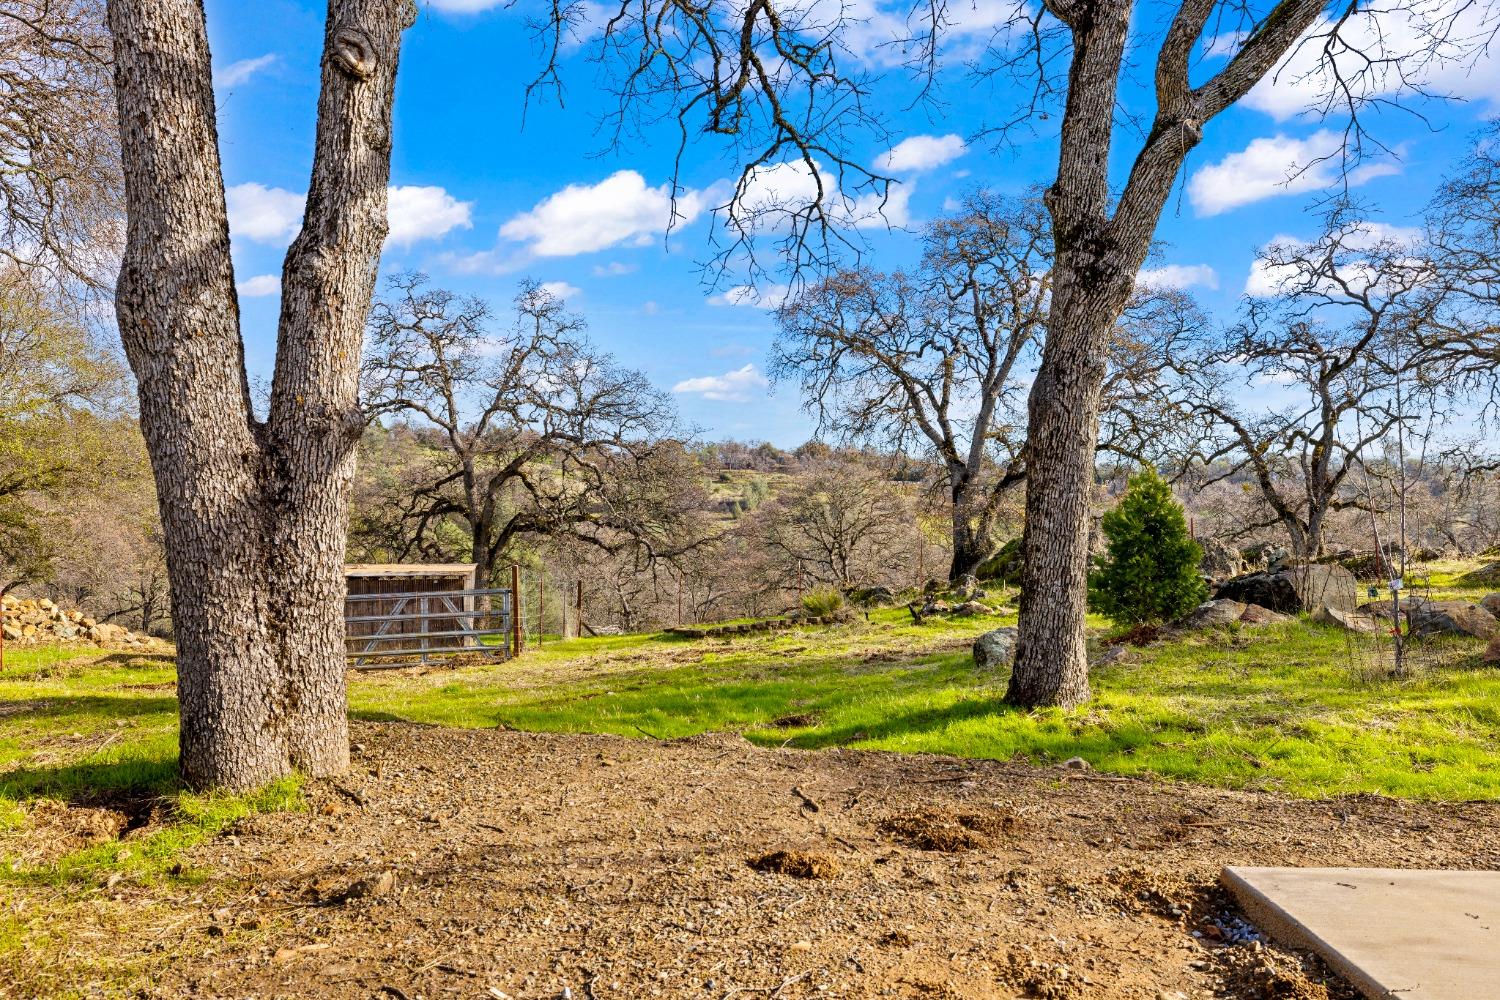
pixel 995 649
pixel 936 608
pixel 1211 614
pixel 1408 606
pixel 966 587
pixel 1114 654
pixel 1220 560
pixel 1290 589
pixel 1257 615
pixel 1350 621
pixel 1264 556
pixel 1364 564
pixel 1455 618
pixel 973 608
pixel 1491 603
pixel 1492 654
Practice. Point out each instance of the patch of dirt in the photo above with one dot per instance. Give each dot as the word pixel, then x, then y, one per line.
pixel 1266 976
pixel 798 864
pixel 483 863
pixel 931 829
pixel 801 720
pixel 54 828
pixel 1137 635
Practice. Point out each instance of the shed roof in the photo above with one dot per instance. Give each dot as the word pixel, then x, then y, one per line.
pixel 409 569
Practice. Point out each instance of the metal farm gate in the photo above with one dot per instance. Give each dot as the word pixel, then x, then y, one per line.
pixel 405 615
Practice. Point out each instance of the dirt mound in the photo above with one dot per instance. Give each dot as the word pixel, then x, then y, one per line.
pixel 28 622
pixel 933 829
pixel 798 864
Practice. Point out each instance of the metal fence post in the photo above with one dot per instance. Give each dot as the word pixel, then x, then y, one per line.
pixel 515 620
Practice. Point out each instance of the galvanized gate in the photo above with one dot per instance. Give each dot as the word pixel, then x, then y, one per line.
pixel 421 628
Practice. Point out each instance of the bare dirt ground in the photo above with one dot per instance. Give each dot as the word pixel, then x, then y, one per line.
pixel 503 864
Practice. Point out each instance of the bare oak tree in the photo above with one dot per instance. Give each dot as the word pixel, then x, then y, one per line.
pixel 60 186
pixel 1330 365
pixel 1103 235
pixel 535 433
pixel 768 76
pixel 935 359
pixel 252 509
pixel 834 525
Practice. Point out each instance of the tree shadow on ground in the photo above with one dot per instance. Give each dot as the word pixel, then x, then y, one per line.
pixel 92 706
pixel 107 784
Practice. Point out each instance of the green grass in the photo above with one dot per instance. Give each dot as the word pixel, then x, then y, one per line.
pixel 1291 707
pixel 101 729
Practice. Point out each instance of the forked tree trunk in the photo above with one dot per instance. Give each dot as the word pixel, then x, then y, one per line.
pixel 253 512
pixel 1098 254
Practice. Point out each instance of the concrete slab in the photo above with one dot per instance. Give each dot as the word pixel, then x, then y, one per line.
pixel 1393 933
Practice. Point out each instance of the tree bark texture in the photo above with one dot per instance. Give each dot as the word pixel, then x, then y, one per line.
pixel 253 511
pixel 1098 255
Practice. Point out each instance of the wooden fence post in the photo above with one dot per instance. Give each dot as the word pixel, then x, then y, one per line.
pixel 518 637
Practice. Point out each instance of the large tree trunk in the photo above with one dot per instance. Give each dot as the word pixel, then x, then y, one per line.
pixel 972 544
pixel 1092 278
pixel 253 513
pixel 1051 655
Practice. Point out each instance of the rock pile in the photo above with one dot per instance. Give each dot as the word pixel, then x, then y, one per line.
pixel 27 622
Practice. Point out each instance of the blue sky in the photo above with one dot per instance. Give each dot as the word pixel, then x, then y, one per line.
pixel 481 202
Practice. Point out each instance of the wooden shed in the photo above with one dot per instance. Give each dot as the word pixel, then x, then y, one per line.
pixel 392 600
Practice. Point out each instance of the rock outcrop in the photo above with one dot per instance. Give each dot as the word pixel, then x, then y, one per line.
pixel 1454 618
pixel 1290 589
pixel 1220 561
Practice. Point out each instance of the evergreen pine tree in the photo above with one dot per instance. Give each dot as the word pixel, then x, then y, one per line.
pixel 1150 573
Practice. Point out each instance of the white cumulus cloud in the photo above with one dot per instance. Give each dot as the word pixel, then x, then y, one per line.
pixel 424 213
pixel 1276 165
pixel 264 214
pixel 922 152
pixel 273 215
pixel 773 193
pixel 1177 277
pixel 560 289
pixel 260 285
pixel 584 218
pixel 237 73
pixel 1268 277
pixel 738 386
pixel 1385 48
